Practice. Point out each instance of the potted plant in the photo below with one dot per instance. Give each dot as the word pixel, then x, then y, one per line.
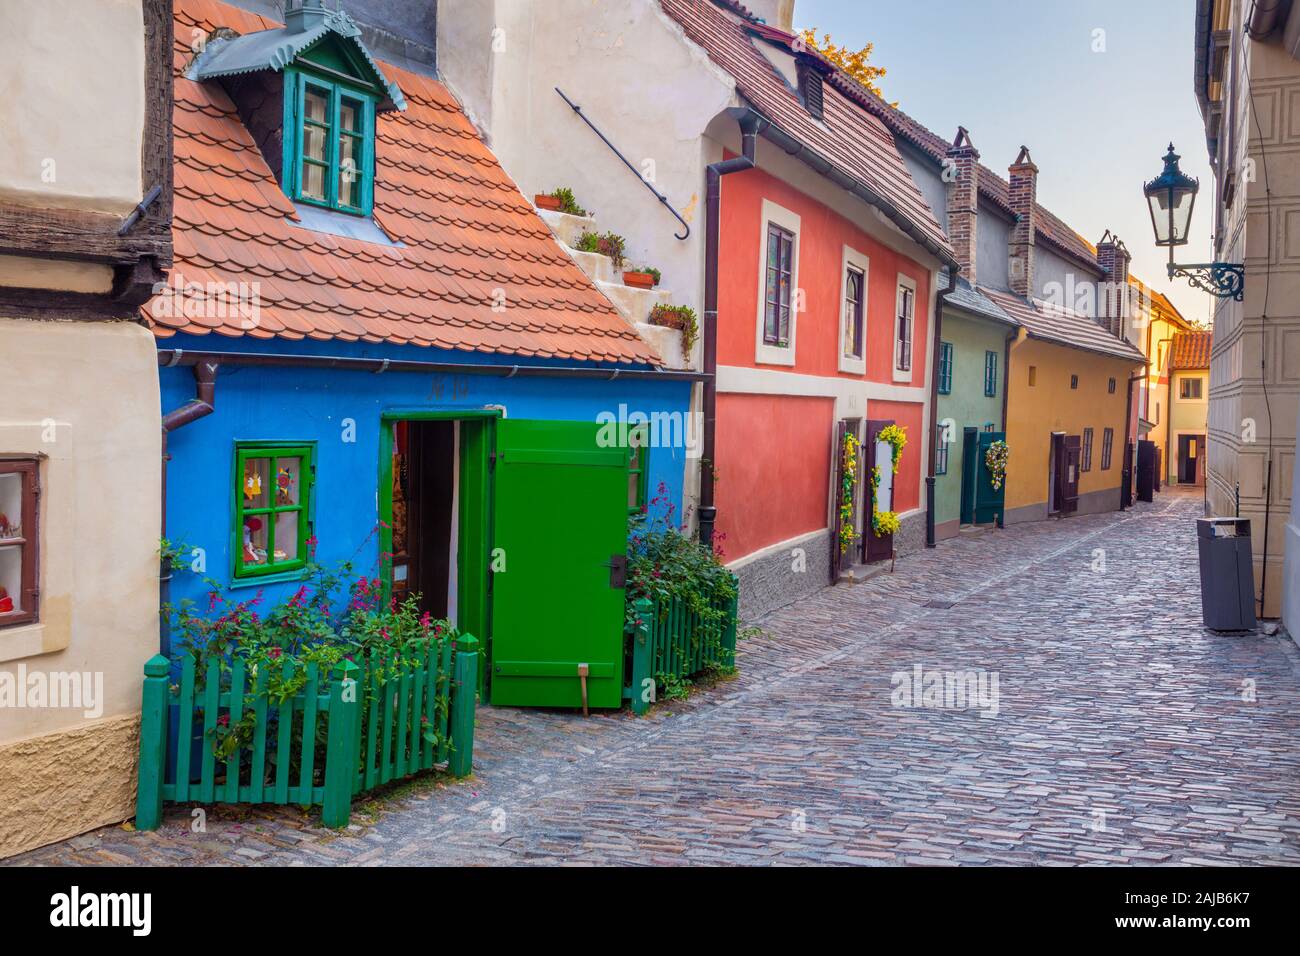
pixel 606 244
pixel 646 277
pixel 560 200
pixel 680 317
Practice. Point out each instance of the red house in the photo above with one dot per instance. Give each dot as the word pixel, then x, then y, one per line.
pixel 823 266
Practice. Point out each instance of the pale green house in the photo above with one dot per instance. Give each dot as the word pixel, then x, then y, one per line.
pixel 972 389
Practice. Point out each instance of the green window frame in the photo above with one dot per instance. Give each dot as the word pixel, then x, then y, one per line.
pixel 945 368
pixel 638 470
pixel 941 450
pixel 264 506
pixel 990 374
pixel 342 118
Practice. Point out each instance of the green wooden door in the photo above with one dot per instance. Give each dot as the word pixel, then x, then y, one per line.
pixel 989 502
pixel 561 504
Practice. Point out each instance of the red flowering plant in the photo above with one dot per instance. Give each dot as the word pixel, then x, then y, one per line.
pixel 663 562
pixel 316 625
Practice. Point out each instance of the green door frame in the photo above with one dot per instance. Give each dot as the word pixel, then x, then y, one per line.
pixel 474 608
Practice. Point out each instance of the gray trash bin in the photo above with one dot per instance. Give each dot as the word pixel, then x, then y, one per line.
pixel 1227 574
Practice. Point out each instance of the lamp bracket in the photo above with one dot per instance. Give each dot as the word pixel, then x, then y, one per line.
pixel 1226 280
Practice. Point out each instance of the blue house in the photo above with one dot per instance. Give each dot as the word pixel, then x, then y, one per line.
pixel 373 350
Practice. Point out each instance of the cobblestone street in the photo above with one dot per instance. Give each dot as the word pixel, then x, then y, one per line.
pixel 1122 734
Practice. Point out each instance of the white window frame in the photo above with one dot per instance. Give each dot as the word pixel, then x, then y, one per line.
pixel 765 354
pixel 851 257
pixel 903 375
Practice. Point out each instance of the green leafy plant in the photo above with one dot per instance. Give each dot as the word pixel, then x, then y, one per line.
pixel 848 483
pixel 680 317
pixel 334 616
pixel 606 244
pixel 568 204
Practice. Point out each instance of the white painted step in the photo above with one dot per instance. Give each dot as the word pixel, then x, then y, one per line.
pixel 567 228
pixel 634 303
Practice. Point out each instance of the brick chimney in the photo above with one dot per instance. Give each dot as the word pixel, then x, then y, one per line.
pixel 961 174
pixel 775 13
pixel 1113 302
pixel 1024 203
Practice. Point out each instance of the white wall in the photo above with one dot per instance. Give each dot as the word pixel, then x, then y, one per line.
pixel 635 76
pixel 65 145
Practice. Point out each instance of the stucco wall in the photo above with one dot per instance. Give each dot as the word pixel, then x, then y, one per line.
pixel 331 407
pixel 967 406
pixel 994 233
pixel 1185 416
pixel 1242 423
pixel 83 399
pixel 1035 412
pixel 635 76
pixel 774 454
pixel 51 55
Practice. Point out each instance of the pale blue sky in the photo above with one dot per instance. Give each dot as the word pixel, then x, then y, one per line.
pixel 1013 72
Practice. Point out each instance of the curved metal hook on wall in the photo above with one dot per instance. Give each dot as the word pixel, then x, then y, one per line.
pixel 604 139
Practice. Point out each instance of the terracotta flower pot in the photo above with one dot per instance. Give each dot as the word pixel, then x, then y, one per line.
pixel 546 202
pixel 639 280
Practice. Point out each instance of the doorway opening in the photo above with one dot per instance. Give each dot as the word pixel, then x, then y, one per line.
pixel 1190 459
pixel 434 513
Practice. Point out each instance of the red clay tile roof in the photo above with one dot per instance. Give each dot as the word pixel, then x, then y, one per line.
pixel 992 186
pixel 854 141
pixel 1191 350
pixel 464 229
pixel 1052 323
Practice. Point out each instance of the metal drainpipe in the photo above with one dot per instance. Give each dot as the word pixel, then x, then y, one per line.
pixel 1126 473
pixel 749 126
pixel 937 345
pixel 205 388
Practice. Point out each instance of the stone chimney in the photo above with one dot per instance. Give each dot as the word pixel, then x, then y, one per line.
pixel 1113 304
pixel 961 174
pixel 775 13
pixel 1024 203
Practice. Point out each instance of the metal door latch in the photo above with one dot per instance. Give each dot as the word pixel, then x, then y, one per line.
pixel 617 570
pixel 583 671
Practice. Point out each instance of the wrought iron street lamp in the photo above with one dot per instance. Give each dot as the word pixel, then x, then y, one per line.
pixel 1171 197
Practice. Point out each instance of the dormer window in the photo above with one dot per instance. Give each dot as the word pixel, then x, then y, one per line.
pixel 308 92
pixel 810 90
pixel 331 162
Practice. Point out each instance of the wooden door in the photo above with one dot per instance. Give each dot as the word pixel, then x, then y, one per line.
pixel 1146 470
pixel 969 471
pixel 560 529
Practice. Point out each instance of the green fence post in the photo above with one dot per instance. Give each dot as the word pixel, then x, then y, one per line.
pixel 153 745
pixel 341 754
pixel 642 656
pixel 464 687
pixel 729 626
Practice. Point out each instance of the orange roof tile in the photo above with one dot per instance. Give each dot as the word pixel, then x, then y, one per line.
pixel 465 236
pixel 1191 350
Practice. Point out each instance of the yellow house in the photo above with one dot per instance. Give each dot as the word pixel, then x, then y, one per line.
pixel 1188 402
pixel 1157 324
pixel 1067 401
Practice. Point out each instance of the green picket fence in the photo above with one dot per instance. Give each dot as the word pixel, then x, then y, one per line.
pixel 674 640
pixel 371 732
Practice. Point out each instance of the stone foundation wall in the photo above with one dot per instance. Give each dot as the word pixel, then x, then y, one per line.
pixel 65 783
pixel 771 582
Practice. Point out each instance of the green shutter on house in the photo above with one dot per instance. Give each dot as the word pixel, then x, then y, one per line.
pixel 945 368
pixel 560 533
pixel 990 374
